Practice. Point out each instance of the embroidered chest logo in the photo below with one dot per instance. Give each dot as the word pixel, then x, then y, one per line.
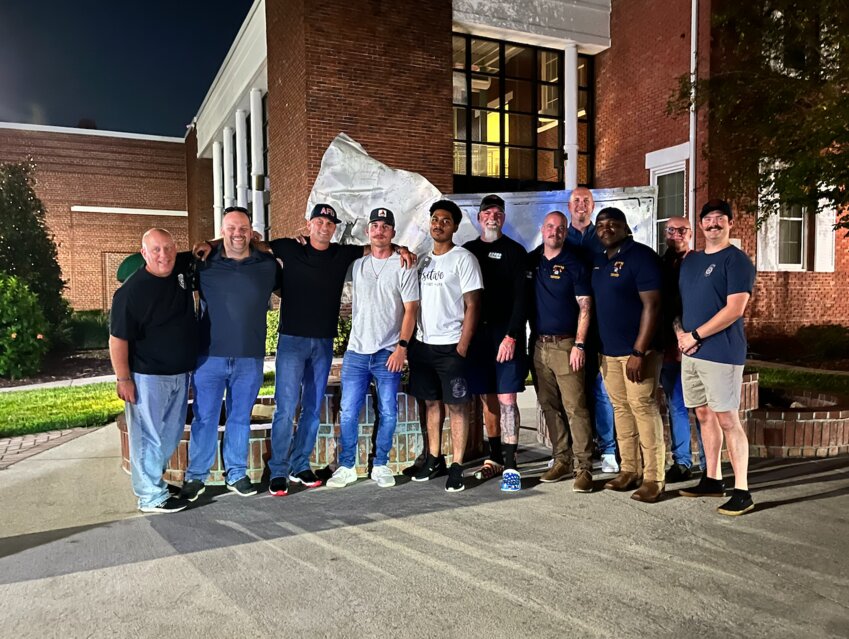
pixel 617 268
pixel 494 256
pixel 709 270
pixel 557 271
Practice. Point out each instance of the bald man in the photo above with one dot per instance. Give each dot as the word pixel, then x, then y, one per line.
pixel 153 347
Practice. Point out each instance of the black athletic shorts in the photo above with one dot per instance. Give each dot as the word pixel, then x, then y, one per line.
pixel 438 372
pixel 488 376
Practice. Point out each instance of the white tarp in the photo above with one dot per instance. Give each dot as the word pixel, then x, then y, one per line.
pixel 355 183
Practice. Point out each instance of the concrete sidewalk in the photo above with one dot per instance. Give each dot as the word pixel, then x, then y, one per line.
pixel 76 559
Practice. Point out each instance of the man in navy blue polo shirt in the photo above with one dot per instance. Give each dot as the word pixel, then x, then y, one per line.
pixel 716 285
pixel 236 282
pixel 626 285
pixel 560 318
pixel 581 236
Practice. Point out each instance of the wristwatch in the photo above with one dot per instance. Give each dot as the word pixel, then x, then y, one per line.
pixel 637 353
pixel 579 346
pixel 696 336
pixel 403 343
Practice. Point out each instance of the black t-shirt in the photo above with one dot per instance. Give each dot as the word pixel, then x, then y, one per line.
pixel 156 315
pixel 312 286
pixel 503 266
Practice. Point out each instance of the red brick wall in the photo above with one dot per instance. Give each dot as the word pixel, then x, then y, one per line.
pixel 379 71
pixel 198 191
pixel 92 170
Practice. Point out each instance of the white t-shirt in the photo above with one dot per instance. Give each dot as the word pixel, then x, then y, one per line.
pixel 443 279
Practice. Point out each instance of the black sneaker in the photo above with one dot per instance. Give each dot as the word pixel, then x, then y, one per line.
pixel 192 489
pixel 433 467
pixel 279 486
pixel 242 487
pixel 455 479
pixel 740 502
pixel 678 472
pixel 170 505
pixel 306 477
pixel 706 487
pixel 412 471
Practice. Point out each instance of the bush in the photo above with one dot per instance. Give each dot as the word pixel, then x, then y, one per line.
pixel 272 320
pixel 88 329
pixel 340 342
pixel 22 329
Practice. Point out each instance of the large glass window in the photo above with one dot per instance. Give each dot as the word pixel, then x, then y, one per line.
pixel 508 116
pixel 791 233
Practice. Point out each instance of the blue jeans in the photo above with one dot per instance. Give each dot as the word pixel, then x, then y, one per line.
pixel 155 425
pixel 241 378
pixel 357 372
pixel 301 370
pixel 679 417
pixel 604 427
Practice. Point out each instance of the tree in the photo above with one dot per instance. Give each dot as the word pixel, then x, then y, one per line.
pixel 27 249
pixel 778 104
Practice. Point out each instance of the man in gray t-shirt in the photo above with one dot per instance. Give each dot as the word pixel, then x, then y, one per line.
pixel 386 303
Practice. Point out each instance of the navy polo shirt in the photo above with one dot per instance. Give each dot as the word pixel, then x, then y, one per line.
pixel 706 281
pixel 235 298
pixel 586 244
pixel 617 283
pixel 556 283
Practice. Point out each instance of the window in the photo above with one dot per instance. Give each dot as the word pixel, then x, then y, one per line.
pixel 668 172
pixel 508 115
pixel 791 231
pixel 797 239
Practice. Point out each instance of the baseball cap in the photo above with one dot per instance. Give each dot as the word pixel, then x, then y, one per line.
pixel 491 200
pixel 382 215
pixel 716 205
pixel 324 210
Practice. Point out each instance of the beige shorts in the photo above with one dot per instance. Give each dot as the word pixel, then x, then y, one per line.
pixel 712 383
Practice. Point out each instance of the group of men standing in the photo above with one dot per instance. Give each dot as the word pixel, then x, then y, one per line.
pixel 604 315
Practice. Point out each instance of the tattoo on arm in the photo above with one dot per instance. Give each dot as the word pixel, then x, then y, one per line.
pixel 585 305
pixel 677 326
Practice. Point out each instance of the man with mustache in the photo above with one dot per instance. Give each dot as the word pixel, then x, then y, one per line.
pixel 716 285
pixel 497 366
pixel 626 286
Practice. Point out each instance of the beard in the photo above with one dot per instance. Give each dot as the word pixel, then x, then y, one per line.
pixel 490 234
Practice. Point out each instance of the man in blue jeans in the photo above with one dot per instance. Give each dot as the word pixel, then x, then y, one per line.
pixel 678 237
pixel 385 305
pixel 236 282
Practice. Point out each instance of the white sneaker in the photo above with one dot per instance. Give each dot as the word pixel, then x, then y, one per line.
pixel 609 464
pixel 383 476
pixel 342 476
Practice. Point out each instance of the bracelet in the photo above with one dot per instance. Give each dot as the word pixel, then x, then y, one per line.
pixel 123 379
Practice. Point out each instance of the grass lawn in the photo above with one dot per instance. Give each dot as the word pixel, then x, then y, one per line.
pixel 802 380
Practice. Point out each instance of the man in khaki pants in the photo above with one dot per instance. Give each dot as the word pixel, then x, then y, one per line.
pixel 626 282
pixel 560 317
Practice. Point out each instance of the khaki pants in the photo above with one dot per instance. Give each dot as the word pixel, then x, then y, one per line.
pixel 559 390
pixel 638 424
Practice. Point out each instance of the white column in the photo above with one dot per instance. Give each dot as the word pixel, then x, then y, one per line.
pixel 570 116
pixel 257 164
pixel 229 196
pixel 241 158
pixel 217 189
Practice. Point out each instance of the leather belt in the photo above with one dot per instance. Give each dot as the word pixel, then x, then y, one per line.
pixel 553 338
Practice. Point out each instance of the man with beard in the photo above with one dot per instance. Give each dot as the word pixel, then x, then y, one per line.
pixel 716 285
pixel 626 286
pixel 497 366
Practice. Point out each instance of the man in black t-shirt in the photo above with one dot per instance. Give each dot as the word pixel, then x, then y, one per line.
pixel 153 347
pixel 497 361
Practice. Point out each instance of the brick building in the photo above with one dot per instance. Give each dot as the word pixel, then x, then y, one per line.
pixel 477 96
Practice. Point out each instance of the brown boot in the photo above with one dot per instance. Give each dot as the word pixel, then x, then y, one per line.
pixel 623 481
pixel 558 471
pixel 583 482
pixel 649 492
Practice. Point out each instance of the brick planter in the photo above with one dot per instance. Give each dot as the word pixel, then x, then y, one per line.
pixel 406 446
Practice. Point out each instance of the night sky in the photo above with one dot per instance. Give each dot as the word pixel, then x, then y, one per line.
pixel 129 65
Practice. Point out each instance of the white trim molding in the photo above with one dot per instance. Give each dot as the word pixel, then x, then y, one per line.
pixel 43 128
pixel 117 210
pixel 670 155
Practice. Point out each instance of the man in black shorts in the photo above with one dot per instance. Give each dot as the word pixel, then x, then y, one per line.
pixel 497 362
pixel 450 281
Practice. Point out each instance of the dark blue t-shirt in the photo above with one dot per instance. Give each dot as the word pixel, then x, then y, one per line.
pixel 556 283
pixel 235 300
pixel 617 283
pixel 706 281
pixel 587 245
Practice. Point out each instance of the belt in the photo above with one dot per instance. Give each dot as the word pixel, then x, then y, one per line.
pixel 553 338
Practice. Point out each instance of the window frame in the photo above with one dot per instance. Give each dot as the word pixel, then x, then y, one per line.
pixel 678 166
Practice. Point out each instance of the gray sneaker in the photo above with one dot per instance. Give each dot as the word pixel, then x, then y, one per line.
pixel 342 476
pixel 383 476
pixel 242 487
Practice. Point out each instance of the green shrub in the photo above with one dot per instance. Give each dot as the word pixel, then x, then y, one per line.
pixel 824 341
pixel 88 329
pixel 272 319
pixel 340 342
pixel 22 329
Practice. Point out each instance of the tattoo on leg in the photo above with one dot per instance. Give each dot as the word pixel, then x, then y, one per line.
pixel 509 423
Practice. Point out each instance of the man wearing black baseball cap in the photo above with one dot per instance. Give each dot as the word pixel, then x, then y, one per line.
pixel 716 285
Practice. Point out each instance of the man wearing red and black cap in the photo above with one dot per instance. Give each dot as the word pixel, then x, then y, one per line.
pixel 716 285
pixel 497 354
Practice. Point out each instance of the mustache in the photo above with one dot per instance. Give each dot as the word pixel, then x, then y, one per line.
pixel 714 228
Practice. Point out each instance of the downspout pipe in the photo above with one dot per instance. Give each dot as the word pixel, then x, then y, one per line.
pixel 694 54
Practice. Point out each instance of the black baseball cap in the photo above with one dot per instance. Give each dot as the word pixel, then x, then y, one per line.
pixel 717 205
pixel 491 200
pixel 324 210
pixel 382 215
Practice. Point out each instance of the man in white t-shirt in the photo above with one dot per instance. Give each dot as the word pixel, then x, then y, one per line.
pixel 450 281
pixel 386 302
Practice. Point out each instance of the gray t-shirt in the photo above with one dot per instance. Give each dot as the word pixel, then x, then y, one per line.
pixel 381 288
